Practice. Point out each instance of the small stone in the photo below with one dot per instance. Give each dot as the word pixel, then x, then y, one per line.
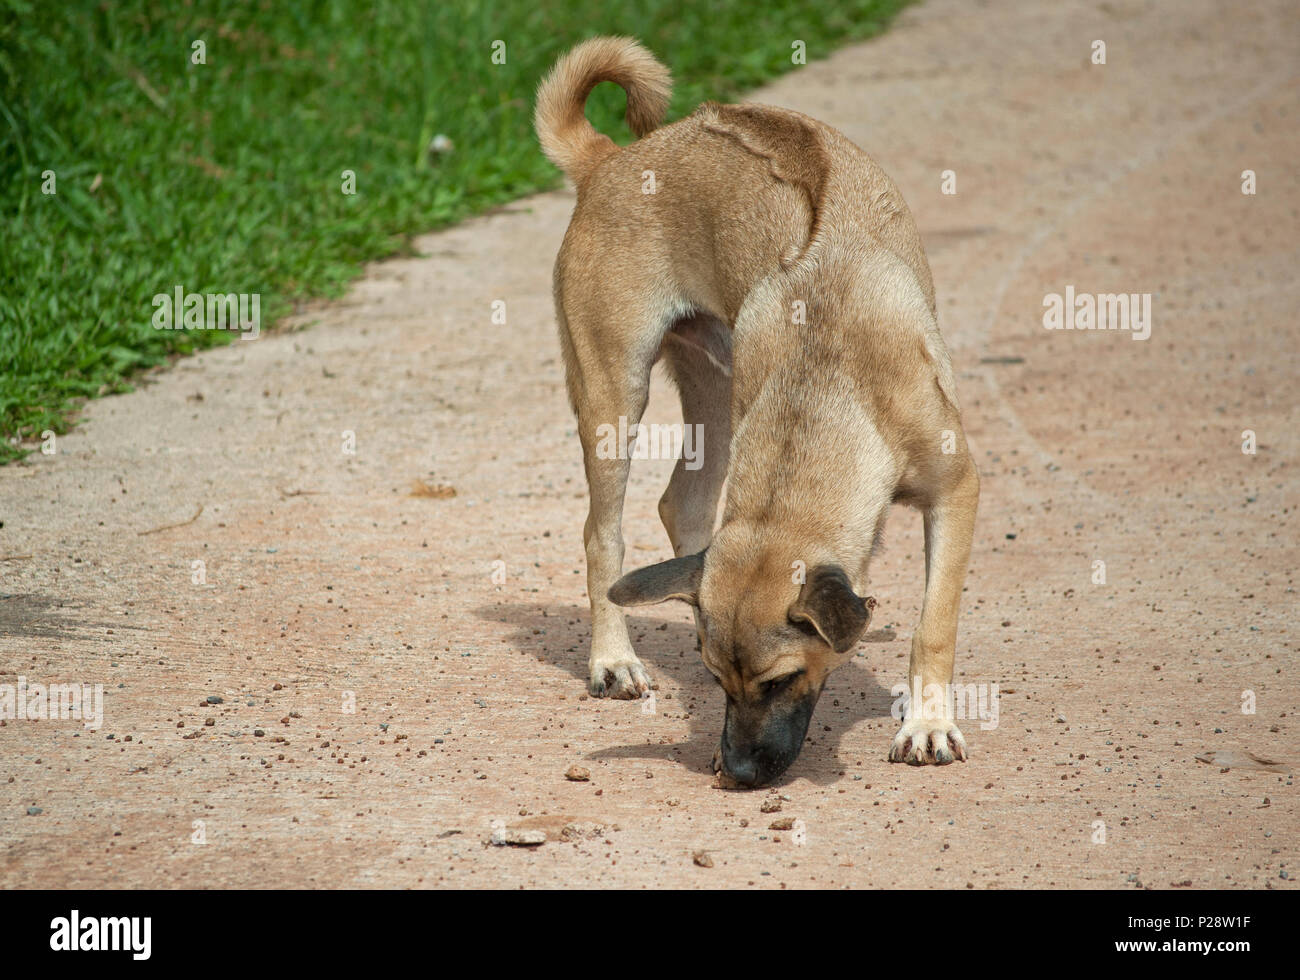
pixel 519 837
pixel 771 805
pixel 577 774
pixel 784 823
pixel 702 859
pixel 258 733
pixel 35 811
pixel 213 699
pixel 582 830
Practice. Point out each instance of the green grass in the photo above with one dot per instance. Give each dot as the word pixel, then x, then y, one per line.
pixel 226 176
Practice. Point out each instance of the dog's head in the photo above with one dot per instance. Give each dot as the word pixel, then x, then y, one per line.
pixel 770 633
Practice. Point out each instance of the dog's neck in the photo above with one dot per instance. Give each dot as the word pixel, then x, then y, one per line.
pixel 816 473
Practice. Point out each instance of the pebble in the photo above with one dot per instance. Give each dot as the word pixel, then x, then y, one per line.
pixel 516 837
pixel 582 830
pixel 577 774
pixel 702 859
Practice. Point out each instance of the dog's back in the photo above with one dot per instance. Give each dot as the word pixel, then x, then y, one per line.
pixel 735 191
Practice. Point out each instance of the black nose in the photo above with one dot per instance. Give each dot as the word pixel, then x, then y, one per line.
pixel 744 770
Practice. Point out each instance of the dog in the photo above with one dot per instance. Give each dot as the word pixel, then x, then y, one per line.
pixel 776 272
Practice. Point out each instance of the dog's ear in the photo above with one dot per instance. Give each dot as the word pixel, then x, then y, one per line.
pixel 675 579
pixel 828 603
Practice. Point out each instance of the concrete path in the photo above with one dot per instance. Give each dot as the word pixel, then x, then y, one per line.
pixel 325 584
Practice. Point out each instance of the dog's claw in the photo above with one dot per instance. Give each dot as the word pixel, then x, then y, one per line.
pixel 624 680
pixel 928 742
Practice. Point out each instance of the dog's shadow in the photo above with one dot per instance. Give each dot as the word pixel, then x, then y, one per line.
pixel 561 636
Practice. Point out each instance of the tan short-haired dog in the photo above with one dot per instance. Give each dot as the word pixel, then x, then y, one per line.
pixel 778 274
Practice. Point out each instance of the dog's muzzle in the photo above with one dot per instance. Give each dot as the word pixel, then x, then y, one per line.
pixel 761 740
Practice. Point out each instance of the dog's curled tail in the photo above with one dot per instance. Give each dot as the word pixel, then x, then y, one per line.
pixel 567 137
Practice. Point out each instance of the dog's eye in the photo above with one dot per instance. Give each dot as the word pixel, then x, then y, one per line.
pixel 780 683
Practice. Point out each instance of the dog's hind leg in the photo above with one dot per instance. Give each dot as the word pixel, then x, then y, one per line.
pixel 697 354
pixel 608 377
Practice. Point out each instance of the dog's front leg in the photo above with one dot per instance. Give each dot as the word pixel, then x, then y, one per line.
pixel 930 733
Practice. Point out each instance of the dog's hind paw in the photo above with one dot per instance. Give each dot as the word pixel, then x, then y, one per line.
pixel 923 742
pixel 625 680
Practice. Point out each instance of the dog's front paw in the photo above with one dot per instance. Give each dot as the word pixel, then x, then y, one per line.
pixel 624 678
pixel 926 741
